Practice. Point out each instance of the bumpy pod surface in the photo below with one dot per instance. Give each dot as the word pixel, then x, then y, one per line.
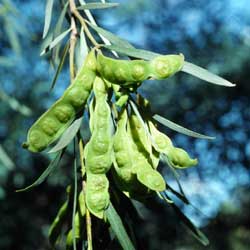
pixel 144 169
pixel 163 143
pixel 143 141
pixel 122 71
pixel 50 126
pixel 177 156
pixel 180 158
pixel 127 72
pixel 98 152
pixel 99 149
pixel 123 160
pixel 165 66
pixel 97 195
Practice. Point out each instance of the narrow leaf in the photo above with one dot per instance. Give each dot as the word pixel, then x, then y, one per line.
pixel 130 51
pixel 81 50
pixel 188 223
pixel 59 38
pixel 181 195
pixel 47 18
pixel 177 194
pixel 111 37
pixel 93 22
pixel 55 41
pixel 56 226
pixel 180 129
pixel 92 6
pixel 58 28
pixel 67 136
pixel 12 35
pixel 15 104
pixel 5 159
pixel 60 20
pixel 205 75
pixel 59 68
pixel 6 61
pixel 118 228
pixel 52 166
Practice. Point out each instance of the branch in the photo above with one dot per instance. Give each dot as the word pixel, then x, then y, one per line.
pixel 73 39
pixel 76 13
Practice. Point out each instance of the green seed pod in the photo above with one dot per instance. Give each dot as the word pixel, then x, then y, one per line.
pixel 77 233
pixel 63 112
pixel 177 156
pixel 98 164
pixel 163 144
pixel 155 158
pixel 128 73
pixel 98 152
pixel 100 145
pixel 56 226
pixel 97 195
pixel 81 202
pixel 128 183
pixel 61 217
pixel 122 71
pixel 123 160
pixel 181 159
pixel 143 141
pixel 76 96
pixel 143 164
pixel 164 66
pixel 151 178
pixel 50 126
pixel 139 135
pixel 148 176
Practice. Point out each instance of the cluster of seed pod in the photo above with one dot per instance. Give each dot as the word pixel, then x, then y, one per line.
pixel 122 144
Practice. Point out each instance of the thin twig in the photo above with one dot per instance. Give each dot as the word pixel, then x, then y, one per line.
pixel 73 39
pixel 76 13
pixel 88 222
pixel 81 150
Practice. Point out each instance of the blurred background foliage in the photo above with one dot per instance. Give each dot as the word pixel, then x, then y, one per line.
pixel 213 34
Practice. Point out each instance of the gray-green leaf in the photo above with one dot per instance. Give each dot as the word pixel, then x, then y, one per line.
pixel 117 41
pixel 92 6
pixel 180 129
pixel 67 136
pixel 47 18
pixel 5 159
pixel 60 20
pixel 52 166
pixel 188 223
pixel 205 75
pixel 15 104
pixel 55 41
pixel 131 51
pixel 118 228
pixel 59 68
